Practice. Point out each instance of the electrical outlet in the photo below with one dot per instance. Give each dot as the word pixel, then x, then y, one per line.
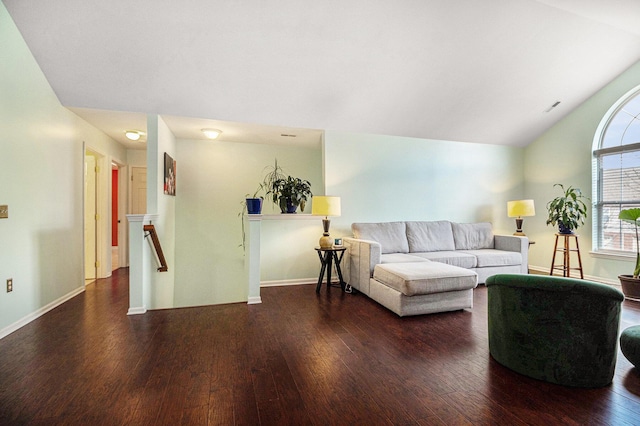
pixel 9 285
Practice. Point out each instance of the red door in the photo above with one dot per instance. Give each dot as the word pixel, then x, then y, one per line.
pixel 114 207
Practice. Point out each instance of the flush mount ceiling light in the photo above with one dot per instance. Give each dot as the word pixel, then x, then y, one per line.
pixel 211 133
pixel 133 135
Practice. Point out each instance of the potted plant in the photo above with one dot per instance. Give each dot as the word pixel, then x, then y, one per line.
pixel 253 203
pixel 250 205
pixel 631 283
pixel 273 174
pixel 290 192
pixel 568 211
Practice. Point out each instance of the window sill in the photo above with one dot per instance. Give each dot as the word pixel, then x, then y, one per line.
pixel 613 256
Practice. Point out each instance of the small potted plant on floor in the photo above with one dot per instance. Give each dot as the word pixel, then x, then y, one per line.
pixel 631 283
pixel 567 211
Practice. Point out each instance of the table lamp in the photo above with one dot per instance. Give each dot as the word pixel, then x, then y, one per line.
pixel 518 209
pixel 324 205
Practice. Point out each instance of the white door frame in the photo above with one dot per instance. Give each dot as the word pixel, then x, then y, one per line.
pixel 123 228
pixel 90 230
pixel 103 204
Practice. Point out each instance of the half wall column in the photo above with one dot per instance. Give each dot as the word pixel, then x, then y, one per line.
pixel 139 260
pixel 252 258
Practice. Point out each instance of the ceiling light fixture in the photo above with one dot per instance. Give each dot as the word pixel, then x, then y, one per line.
pixel 212 133
pixel 133 135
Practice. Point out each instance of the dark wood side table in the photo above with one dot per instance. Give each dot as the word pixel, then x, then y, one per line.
pixel 329 256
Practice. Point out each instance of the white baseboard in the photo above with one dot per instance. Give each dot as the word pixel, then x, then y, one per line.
pixel 37 314
pixel 137 310
pixel 299 281
pixel 254 300
pixel 608 281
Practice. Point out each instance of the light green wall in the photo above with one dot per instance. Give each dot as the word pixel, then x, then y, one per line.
pixel 378 177
pixel 161 140
pixel 213 178
pixel 385 178
pixel 41 180
pixel 563 155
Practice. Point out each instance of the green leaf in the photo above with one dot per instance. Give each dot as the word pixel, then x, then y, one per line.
pixel 629 215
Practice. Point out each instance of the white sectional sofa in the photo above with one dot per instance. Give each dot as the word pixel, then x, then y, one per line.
pixel 417 268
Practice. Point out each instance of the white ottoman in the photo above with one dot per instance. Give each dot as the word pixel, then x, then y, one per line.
pixel 422 287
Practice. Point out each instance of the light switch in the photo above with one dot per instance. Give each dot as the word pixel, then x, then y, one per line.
pixel 4 212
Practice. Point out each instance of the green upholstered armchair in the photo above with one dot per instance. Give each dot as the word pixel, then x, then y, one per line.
pixel 560 330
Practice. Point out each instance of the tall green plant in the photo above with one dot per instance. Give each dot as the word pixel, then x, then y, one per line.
pixel 568 209
pixel 632 216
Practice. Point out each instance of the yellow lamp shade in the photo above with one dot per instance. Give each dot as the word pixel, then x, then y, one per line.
pixel 521 208
pixel 324 205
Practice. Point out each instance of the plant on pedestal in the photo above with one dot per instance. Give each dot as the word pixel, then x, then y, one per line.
pixel 631 283
pixel 568 211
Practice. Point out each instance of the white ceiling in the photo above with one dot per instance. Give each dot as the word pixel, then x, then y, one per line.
pixel 465 70
pixel 115 123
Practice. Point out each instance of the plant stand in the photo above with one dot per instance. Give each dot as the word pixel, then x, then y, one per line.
pixel 566 258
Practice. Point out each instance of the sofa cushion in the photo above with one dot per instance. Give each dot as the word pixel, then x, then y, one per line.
pixel 430 236
pixel 392 236
pixel 455 258
pixel 424 277
pixel 491 257
pixel 400 258
pixel 472 236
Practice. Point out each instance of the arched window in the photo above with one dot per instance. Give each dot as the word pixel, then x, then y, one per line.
pixel 616 175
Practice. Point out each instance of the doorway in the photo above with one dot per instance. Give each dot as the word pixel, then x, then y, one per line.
pixel 91 216
pixel 138 190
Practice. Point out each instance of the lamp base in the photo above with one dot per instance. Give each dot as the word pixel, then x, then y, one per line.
pixel 519 232
pixel 325 241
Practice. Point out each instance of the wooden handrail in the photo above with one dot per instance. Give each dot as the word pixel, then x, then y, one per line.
pixel 156 245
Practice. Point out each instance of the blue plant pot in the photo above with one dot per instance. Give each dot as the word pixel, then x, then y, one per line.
pixel 254 205
pixel 291 208
pixel 564 230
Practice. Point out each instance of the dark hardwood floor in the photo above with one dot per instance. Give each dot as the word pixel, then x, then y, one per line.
pixel 298 358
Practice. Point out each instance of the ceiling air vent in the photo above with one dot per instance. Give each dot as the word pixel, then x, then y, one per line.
pixel 552 106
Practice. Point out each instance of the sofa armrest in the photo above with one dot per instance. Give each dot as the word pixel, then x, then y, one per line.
pixel 517 244
pixel 362 257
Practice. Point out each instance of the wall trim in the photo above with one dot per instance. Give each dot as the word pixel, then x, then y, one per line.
pixel 137 310
pixel 297 281
pixel 608 281
pixel 38 313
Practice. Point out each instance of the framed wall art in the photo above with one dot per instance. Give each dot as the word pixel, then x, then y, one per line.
pixel 169 175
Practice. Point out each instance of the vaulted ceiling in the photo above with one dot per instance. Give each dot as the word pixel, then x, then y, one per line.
pixel 464 70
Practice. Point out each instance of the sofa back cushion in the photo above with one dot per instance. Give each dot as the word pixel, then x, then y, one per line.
pixel 392 236
pixel 472 236
pixel 430 236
